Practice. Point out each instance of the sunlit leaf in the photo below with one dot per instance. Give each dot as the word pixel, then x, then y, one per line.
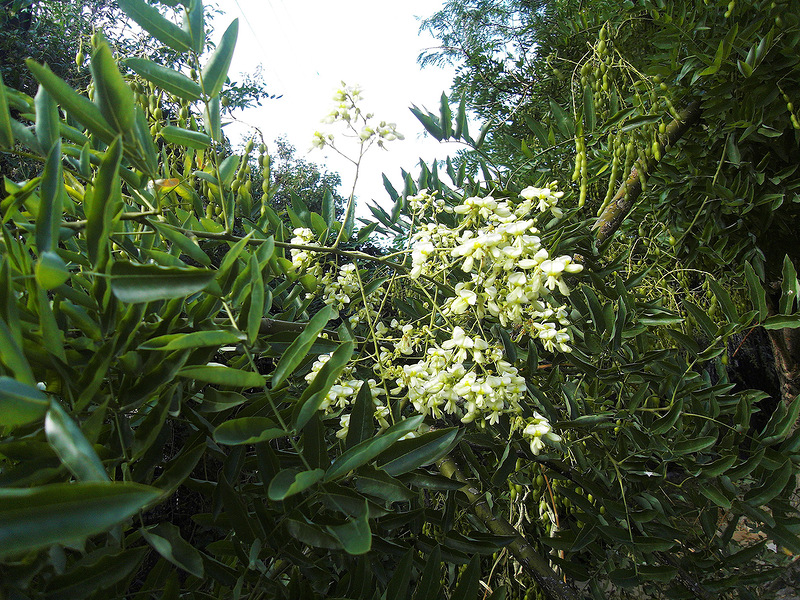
pixel 71 446
pixel 153 23
pixel 216 70
pixel 166 79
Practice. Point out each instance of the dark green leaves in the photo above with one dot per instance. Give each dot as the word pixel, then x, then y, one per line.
pixel 166 539
pixel 6 135
pixel 146 283
pixel 247 430
pixel 81 108
pixel 289 482
pixel 407 455
pixel 364 452
pixel 38 517
pixel 20 404
pixel 222 375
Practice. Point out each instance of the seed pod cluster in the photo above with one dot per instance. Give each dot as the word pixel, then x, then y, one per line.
pixel 790 108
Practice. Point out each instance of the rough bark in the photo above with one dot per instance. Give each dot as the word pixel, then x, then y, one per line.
pixel 622 203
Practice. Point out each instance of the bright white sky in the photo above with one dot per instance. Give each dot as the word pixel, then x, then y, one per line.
pixel 307 47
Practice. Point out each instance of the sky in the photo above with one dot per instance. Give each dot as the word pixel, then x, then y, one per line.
pixel 308 47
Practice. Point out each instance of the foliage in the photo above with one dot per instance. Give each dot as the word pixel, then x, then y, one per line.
pixel 197 400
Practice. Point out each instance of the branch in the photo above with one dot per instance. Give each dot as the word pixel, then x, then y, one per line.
pixel 622 203
pixel 539 567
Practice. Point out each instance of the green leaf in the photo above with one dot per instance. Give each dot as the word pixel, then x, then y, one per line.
pixel 380 484
pixel 562 122
pixel 355 535
pixel 172 81
pixel 111 94
pixel 397 588
pixel 692 445
pixel 216 70
pixel 194 339
pixel 79 107
pixel 589 117
pixel 361 418
pixel 102 204
pixel 315 393
pixel 98 574
pixel 298 349
pixel 430 586
pixel 132 282
pixel 468 583
pixel 6 135
pixel 758 296
pixel 407 455
pixel 222 375
pixel 445 116
pixel 194 25
pixel 289 482
pixel 38 517
pixel 186 138
pixel 212 121
pixel 71 446
pixel 640 121
pixel 51 270
pixel 775 483
pixel 724 301
pixel 781 322
pixel 428 123
pixel 47 121
pixel 153 23
pixel 166 539
pixel 186 246
pixel 20 404
pixel 364 452
pixel 790 287
pixel 310 534
pixel 713 493
pixel 461 121
pixel 665 423
pixel 51 205
pixel 247 430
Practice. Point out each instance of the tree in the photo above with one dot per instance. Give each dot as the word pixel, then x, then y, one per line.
pixel 197 400
pixel 294 176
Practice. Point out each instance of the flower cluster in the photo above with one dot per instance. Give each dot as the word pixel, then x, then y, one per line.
pixel 302 259
pixel 511 276
pixel 343 394
pixel 361 125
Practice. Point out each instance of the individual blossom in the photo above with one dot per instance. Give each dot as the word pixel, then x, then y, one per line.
pixel 545 198
pixel 538 430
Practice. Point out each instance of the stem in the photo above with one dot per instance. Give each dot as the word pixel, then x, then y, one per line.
pixel 622 203
pixel 535 564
